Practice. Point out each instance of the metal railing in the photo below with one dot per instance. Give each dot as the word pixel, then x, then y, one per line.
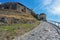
pixel 54 22
pixel 56 25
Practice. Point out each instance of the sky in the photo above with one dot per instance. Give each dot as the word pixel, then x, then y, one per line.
pixel 50 7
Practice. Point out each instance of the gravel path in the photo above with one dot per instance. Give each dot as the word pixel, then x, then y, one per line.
pixel 45 31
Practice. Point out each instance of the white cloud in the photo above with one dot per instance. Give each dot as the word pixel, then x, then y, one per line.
pixel 54 7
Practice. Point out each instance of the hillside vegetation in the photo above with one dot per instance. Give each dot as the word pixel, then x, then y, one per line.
pixel 17 24
pixel 17 15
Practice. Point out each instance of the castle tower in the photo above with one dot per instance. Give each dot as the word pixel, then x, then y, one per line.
pixel 42 17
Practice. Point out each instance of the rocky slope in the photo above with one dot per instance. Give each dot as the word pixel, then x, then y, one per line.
pixel 11 16
pixel 14 23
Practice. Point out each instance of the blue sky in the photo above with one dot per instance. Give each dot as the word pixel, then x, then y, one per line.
pixel 50 7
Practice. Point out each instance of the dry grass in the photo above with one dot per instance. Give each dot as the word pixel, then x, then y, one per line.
pixel 9 31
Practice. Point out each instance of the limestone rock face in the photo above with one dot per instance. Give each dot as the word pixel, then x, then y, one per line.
pixel 45 31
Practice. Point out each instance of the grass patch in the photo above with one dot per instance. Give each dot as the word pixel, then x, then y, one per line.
pixel 15 30
pixel 14 27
